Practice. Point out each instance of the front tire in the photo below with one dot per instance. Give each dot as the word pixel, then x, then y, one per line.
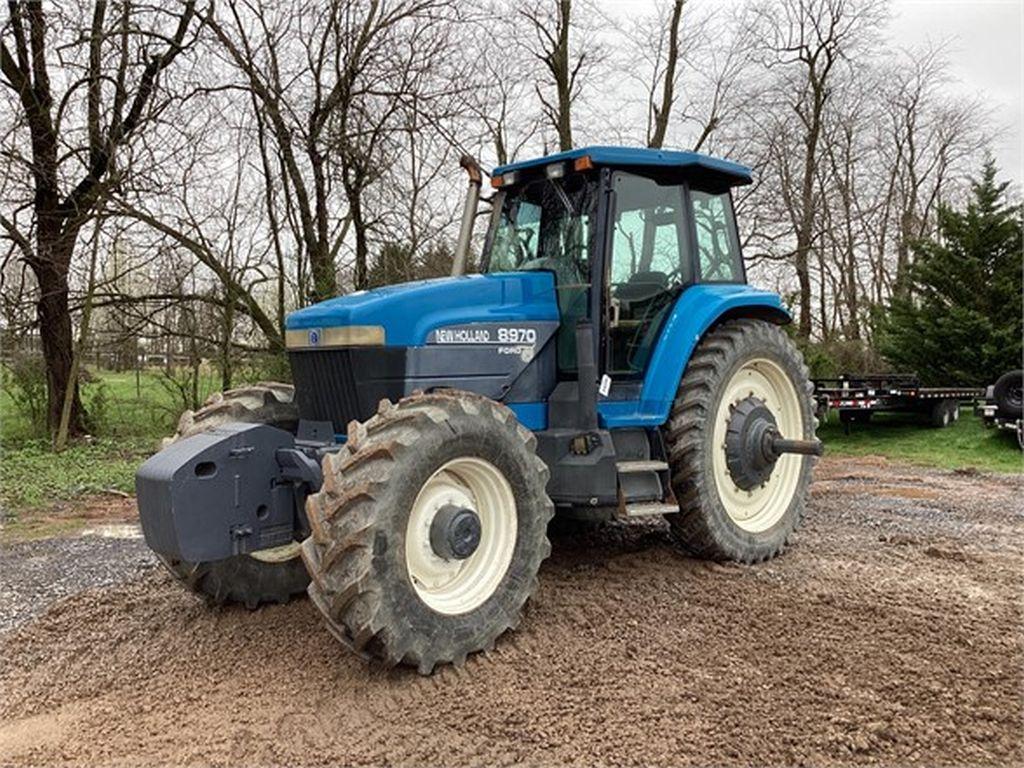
pixel 383 585
pixel 269 576
pixel 718 520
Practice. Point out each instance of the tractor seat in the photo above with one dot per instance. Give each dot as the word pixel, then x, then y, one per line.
pixel 641 287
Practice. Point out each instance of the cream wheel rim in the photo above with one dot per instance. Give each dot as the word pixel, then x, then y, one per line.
pixel 280 554
pixel 459 586
pixel 759 509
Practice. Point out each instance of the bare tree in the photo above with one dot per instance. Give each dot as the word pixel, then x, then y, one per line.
pixel 370 130
pixel 843 178
pixel 565 66
pixel 71 166
pixel 328 83
pixel 211 216
pixel 928 135
pixel 807 40
pixel 500 100
pixel 664 74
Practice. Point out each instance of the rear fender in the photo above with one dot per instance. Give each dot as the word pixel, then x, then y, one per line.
pixel 694 313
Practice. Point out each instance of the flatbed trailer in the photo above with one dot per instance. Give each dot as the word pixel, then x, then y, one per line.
pixel 857 396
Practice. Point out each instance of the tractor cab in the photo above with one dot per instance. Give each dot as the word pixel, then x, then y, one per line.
pixel 624 232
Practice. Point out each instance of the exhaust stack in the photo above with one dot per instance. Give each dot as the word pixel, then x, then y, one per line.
pixel 472 168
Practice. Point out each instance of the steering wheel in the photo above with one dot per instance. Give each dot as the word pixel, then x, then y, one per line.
pixel 522 243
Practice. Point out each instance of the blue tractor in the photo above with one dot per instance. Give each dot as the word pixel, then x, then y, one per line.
pixel 608 361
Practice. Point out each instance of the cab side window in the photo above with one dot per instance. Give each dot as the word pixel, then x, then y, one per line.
pixel 718 245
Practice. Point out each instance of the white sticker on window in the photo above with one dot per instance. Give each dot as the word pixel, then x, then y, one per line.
pixel 605 386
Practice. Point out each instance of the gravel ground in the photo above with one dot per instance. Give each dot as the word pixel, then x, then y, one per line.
pixel 34 574
pixel 890 633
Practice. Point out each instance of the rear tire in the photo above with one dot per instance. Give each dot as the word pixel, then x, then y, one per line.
pixel 269 402
pixel 716 519
pixel 242 579
pixel 382 591
pixel 271 576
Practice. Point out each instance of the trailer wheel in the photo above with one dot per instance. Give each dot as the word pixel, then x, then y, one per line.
pixel 944 413
pixel 1008 393
pixel 268 576
pixel 429 530
pixel 738 361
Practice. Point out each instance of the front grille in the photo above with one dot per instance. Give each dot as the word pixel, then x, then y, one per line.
pixel 339 385
pixel 325 387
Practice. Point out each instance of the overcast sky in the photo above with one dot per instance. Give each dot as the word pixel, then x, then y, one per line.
pixel 985 40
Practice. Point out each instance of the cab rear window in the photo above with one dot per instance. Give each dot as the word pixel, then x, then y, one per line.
pixel 718 245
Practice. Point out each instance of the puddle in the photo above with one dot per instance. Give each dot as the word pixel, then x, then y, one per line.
pixel 113 531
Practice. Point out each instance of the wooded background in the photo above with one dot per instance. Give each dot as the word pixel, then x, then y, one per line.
pixel 176 177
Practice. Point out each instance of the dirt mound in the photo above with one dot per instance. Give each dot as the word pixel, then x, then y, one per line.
pixel 891 633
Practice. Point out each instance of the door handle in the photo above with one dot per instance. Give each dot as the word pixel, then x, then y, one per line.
pixel 616 310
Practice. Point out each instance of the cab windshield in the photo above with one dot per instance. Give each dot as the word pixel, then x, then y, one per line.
pixel 543 225
pixel 547 224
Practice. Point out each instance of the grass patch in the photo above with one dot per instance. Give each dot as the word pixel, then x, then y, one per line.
pixel 121 404
pixel 32 476
pixel 968 444
pixel 131 415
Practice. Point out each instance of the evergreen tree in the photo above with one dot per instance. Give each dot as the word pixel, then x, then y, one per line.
pixel 961 323
pixel 395 263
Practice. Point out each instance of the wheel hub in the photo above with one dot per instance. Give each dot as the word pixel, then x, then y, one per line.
pixel 1016 396
pixel 455 532
pixel 461 535
pixel 753 443
pixel 748 443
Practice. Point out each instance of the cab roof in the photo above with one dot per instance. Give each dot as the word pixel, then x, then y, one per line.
pixel 722 172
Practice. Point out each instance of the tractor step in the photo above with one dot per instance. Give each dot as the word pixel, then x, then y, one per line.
pixel 645 465
pixel 650 508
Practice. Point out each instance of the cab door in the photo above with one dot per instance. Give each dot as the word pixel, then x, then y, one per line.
pixel 648 265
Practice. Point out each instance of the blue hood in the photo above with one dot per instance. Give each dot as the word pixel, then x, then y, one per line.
pixel 408 312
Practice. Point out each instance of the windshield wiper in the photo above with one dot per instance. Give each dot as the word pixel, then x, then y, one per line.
pixel 564 198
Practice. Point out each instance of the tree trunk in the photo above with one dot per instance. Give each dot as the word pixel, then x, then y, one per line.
pixel 662 112
pixel 354 192
pixel 805 228
pixel 55 332
pixel 901 288
pixel 563 79
pixel 852 299
pixel 61 439
pixel 227 367
pixel 803 277
pixel 362 254
pixel 823 303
